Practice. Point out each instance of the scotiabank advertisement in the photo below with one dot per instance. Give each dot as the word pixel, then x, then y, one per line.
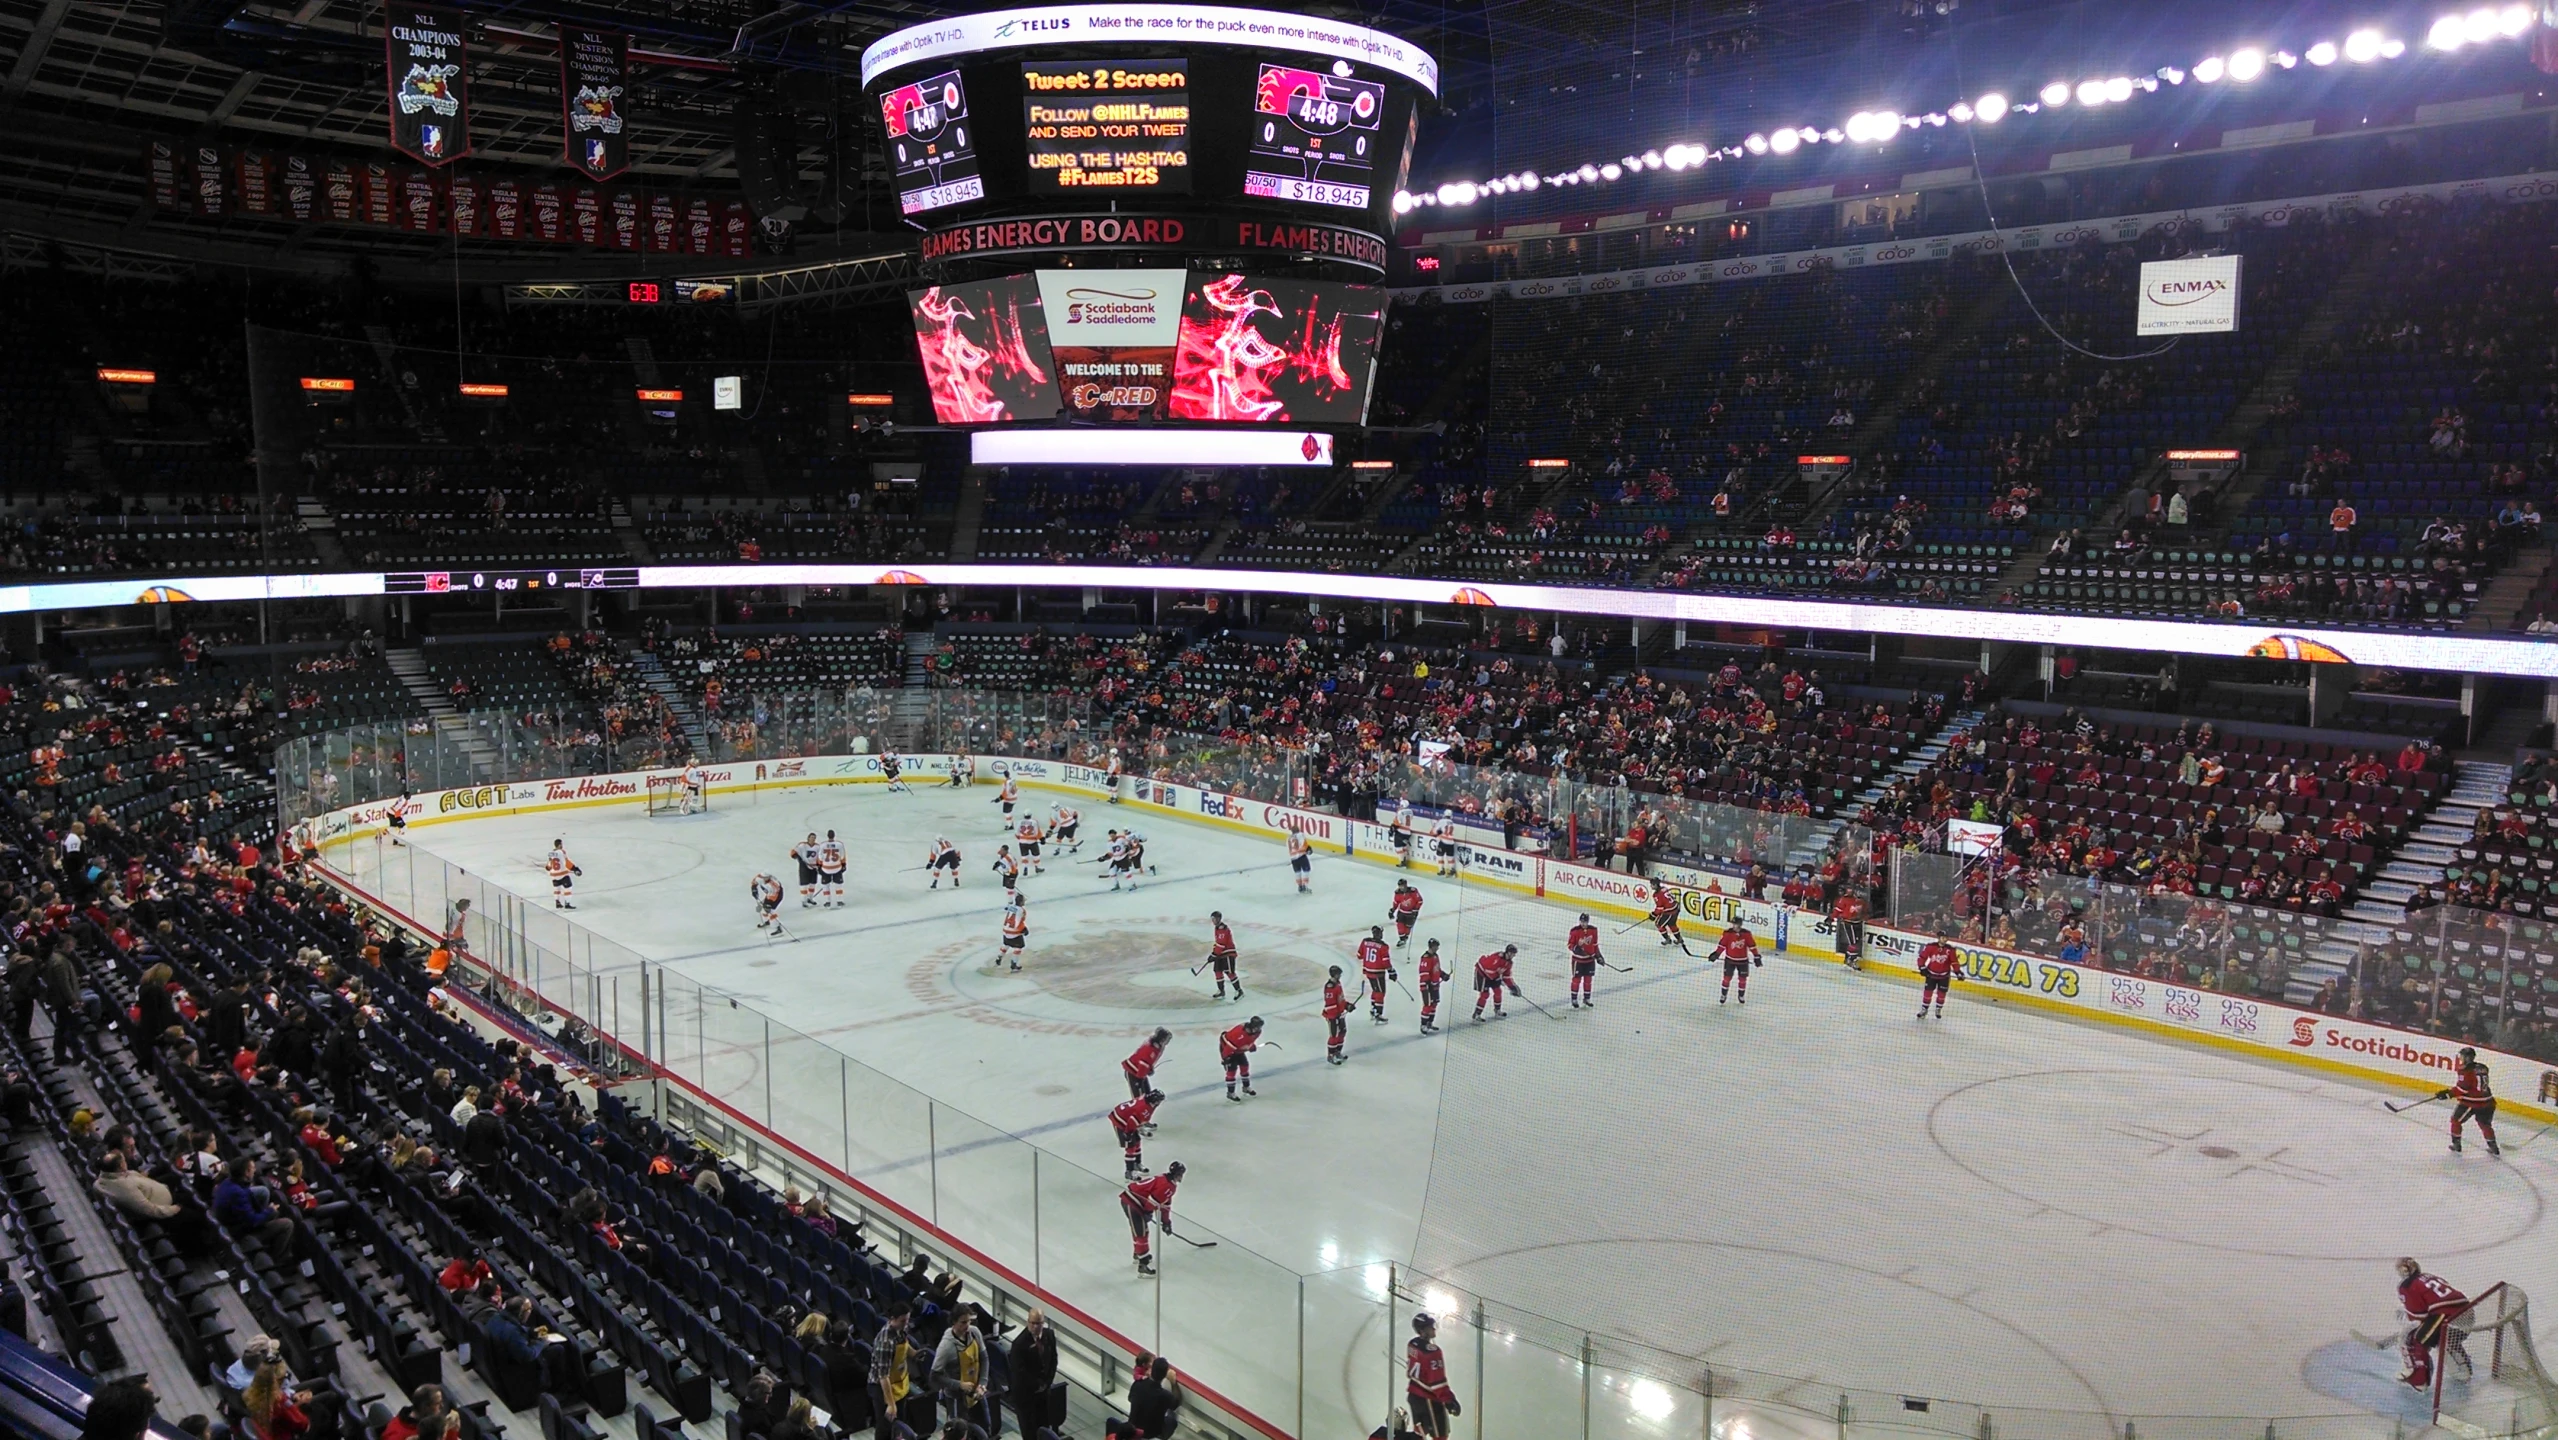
pixel 1112 333
pixel 2267 1028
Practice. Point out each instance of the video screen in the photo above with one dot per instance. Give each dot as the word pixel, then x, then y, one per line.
pixel 1112 334
pixel 985 351
pixel 929 146
pixel 1101 126
pixel 1315 136
pixel 1276 351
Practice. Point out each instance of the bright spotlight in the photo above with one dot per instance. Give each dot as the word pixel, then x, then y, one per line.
pixel 2362 47
pixel 1961 112
pixel 2513 20
pixel 1758 144
pixel 2171 75
pixel 1809 136
pixel 1651 159
pixel 1992 108
pixel 1783 142
pixel 1528 181
pixel 2448 34
pixel 2056 93
pixel 1832 136
pixel 2322 53
pixel 2209 69
pixel 1676 158
pixel 1403 202
pixel 1588 172
pixel 1859 126
pixel 1611 171
pixel 2118 89
pixel 1932 119
pixel 2091 92
pixel 2392 49
pixel 1632 162
pixel 2481 26
pixel 2246 65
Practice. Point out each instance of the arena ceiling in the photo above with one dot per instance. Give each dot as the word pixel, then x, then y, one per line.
pixel 86 84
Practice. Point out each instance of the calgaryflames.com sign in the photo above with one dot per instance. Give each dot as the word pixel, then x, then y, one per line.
pixel 2190 297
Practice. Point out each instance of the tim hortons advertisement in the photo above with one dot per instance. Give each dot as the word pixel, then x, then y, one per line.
pixel 2265 1028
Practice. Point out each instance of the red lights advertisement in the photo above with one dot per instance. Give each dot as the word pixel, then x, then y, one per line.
pixel 1276 351
pixel 985 351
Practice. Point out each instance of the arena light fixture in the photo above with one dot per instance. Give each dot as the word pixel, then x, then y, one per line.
pixel 2322 54
pixel 2481 26
pixel 1992 108
pixel 2091 93
pixel 1832 136
pixel 1784 142
pixel 2448 34
pixel 2246 65
pixel 2209 69
pixel 2118 89
pixel 2364 46
pixel 1611 171
pixel 2056 94
pixel 2514 20
pixel 2171 74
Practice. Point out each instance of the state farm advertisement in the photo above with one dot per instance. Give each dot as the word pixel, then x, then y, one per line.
pixel 2266 1028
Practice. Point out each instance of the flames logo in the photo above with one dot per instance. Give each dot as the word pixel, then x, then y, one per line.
pixel 900 577
pixel 2297 647
pixel 161 595
pixel 1471 596
pixel 430 87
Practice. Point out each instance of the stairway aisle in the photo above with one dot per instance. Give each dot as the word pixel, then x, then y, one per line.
pixel 2380 907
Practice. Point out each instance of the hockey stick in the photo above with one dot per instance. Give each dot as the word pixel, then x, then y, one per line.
pixel 1522 997
pixel 1621 929
pixel 1193 1244
pixel 1620 969
pixel 2534 1135
pixel 2410 1105
pixel 1407 990
pixel 1272 1045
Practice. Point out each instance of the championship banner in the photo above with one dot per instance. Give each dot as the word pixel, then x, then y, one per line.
pixel 255 170
pixel 161 160
pixel 427 63
pixel 594 75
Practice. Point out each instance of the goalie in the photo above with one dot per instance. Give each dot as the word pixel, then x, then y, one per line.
pixel 2430 1305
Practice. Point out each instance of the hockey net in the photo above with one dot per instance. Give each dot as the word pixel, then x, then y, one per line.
pixel 2488 1380
pixel 666 795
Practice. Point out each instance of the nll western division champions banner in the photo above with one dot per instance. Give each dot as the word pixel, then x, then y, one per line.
pixel 428 64
pixel 594 74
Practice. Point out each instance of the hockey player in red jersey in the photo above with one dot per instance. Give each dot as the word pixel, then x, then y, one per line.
pixel 1147 1203
pixel 1425 1379
pixel 2471 1100
pixel 1582 947
pixel 1221 956
pixel 1739 950
pixel 1937 967
pixel 1665 915
pixel 1492 979
pixel 1235 1048
pixel 1336 1017
pixel 1130 1120
pixel 1404 910
pixel 2430 1304
pixel 1376 967
pixel 1139 1067
pixel 1433 974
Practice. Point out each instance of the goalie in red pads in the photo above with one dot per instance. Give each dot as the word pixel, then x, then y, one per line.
pixel 2430 1304
pixel 1937 967
pixel 1738 949
pixel 1148 1203
pixel 1582 947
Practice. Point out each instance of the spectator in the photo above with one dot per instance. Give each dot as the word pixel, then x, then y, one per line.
pixel 1154 1400
pixel 961 1372
pixel 891 1365
pixel 1031 1367
pixel 427 1416
pixel 120 1410
pixel 144 1198
pixel 270 1407
pixel 243 1207
pixel 520 1339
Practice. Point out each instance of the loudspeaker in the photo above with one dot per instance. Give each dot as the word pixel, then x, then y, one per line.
pixel 768 160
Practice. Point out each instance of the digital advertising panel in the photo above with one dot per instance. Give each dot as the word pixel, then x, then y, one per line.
pixel 1315 136
pixel 1284 352
pixel 984 345
pixel 1113 334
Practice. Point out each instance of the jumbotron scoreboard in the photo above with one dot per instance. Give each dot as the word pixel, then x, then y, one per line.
pixel 1191 127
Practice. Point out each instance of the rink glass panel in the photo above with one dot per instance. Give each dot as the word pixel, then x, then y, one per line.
pixel 1004 1203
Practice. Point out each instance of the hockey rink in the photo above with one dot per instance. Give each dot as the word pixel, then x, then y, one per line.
pixel 1814 1194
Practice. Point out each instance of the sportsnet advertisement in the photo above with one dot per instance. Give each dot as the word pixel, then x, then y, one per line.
pixel 2265 1028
